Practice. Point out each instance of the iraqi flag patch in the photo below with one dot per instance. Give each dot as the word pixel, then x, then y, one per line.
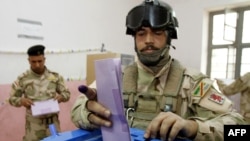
pixel 217 98
pixel 201 89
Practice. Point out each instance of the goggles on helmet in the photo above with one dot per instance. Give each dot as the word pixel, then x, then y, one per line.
pixel 155 16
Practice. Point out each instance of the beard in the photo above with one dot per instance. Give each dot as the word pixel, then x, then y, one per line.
pixel 151 59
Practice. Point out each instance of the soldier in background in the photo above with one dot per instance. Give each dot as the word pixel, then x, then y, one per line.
pixel 240 85
pixel 38 84
pixel 161 96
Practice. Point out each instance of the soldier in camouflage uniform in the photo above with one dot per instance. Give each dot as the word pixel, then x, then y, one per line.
pixel 240 85
pixel 161 96
pixel 38 84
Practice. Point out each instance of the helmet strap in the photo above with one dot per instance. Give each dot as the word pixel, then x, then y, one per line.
pixel 154 58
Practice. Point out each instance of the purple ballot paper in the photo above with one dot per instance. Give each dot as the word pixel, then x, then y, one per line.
pixel 109 92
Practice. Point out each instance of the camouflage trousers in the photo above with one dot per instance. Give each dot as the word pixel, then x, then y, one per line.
pixel 38 128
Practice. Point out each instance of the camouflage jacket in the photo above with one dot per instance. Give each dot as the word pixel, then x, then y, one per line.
pixel 37 87
pixel 240 85
pixel 191 96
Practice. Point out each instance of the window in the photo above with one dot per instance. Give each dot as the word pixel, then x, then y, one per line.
pixel 229 43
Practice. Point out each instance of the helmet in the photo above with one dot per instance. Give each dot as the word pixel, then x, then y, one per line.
pixel 154 14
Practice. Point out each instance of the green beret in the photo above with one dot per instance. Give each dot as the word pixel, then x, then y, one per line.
pixel 36 50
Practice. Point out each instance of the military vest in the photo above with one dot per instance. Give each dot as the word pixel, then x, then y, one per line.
pixel 143 107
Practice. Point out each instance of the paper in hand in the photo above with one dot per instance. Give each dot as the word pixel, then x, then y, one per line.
pixel 45 107
pixel 109 92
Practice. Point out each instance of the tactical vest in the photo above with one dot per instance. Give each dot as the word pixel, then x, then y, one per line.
pixel 169 101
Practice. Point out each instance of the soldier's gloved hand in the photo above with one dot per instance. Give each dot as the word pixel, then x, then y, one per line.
pixel 26 102
pixel 98 113
pixel 168 126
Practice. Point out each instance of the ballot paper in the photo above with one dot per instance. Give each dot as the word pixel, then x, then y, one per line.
pixel 45 107
pixel 109 92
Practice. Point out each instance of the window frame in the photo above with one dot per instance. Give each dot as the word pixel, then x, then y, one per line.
pixel 238 45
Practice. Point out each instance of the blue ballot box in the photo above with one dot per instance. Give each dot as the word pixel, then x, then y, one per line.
pixel 93 135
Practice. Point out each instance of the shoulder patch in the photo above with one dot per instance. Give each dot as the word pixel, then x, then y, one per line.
pixel 217 98
pixel 216 102
pixel 202 88
pixel 16 84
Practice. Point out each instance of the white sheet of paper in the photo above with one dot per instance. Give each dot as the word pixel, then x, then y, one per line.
pixel 45 107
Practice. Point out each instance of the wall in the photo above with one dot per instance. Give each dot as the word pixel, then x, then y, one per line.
pixel 84 25
pixel 66 25
pixel 71 65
